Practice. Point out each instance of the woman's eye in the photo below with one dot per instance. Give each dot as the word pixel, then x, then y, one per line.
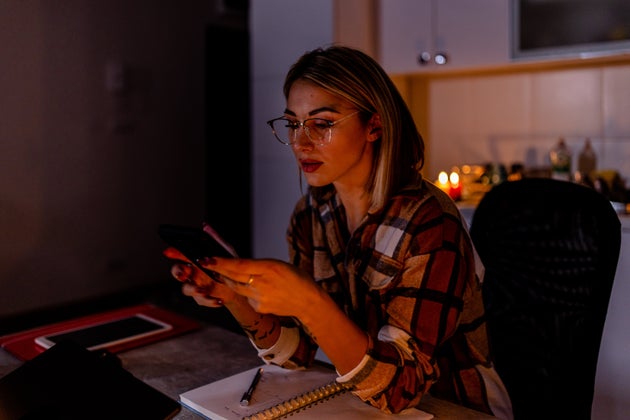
pixel 294 125
pixel 320 124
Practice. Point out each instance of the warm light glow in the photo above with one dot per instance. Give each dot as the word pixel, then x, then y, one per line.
pixel 454 178
pixel 443 178
pixel 454 189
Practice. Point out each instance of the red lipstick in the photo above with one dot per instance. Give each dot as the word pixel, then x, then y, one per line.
pixel 309 166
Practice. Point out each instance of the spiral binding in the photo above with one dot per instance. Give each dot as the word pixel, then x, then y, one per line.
pixel 299 402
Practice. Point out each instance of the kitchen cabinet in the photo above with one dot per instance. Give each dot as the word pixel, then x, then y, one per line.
pixel 468 33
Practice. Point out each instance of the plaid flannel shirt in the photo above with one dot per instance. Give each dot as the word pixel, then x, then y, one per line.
pixel 409 278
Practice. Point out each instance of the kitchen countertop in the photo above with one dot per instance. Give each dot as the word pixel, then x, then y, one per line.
pixel 467 209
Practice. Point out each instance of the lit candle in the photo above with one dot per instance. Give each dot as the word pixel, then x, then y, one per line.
pixel 442 182
pixel 455 190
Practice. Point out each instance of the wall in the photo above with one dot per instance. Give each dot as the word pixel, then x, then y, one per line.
pixel 281 30
pixel 519 116
pixel 89 166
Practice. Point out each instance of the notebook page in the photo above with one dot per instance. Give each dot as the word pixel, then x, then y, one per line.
pixel 221 399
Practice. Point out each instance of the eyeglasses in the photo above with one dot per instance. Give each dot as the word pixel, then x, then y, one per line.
pixel 318 130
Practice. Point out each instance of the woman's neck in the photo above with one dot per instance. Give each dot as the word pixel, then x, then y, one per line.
pixel 356 204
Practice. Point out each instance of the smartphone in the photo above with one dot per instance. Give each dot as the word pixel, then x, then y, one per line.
pixel 108 333
pixel 196 243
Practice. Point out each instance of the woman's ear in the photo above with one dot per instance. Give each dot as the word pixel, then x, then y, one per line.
pixel 375 128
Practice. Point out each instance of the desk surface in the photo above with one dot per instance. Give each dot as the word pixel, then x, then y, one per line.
pixel 179 364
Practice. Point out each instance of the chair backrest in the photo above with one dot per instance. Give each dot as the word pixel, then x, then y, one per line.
pixel 550 249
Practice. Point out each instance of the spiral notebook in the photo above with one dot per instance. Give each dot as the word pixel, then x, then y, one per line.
pixel 280 393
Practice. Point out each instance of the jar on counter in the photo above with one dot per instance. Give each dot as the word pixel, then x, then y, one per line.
pixel 494 174
pixel 560 157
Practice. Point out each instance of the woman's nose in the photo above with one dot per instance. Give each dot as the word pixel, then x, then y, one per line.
pixel 302 139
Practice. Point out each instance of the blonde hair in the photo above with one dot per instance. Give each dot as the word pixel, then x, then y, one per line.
pixel 358 78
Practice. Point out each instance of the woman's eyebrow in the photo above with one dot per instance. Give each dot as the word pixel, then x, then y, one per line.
pixel 315 111
pixel 323 109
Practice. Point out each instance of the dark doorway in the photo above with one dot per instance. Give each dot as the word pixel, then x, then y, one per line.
pixel 228 156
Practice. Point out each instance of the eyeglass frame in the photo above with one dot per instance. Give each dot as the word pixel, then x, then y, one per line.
pixel 305 128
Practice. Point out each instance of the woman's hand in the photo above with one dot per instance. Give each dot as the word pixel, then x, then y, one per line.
pixel 270 286
pixel 276 287
pixel 197 284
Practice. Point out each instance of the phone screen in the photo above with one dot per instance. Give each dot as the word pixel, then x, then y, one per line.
pixel 108 333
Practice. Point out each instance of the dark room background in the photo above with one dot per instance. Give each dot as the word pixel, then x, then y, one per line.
pixel 114 115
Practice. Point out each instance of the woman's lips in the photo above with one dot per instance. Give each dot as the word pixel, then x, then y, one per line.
pixel 309 166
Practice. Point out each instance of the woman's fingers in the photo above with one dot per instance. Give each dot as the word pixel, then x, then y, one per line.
pixel 238 270
pixel 196 283
pixel 174 254
pixel 182 272
pixel 202 295
pixel 187 273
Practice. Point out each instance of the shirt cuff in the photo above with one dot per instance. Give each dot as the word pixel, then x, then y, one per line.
pixel 387 333
pixel 283 349
pixel 348 376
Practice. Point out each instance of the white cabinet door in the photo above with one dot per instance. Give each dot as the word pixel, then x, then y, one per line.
pixel 404 32
pixel 470 33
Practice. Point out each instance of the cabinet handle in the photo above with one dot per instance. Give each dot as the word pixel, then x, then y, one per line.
pixel 424 58
pixel 440 58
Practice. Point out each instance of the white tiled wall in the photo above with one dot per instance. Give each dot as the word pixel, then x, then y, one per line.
pixel 519 117
pixel 616 100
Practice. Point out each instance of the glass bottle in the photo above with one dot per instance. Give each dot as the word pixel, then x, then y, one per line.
pixel 587 161
pixel 560 157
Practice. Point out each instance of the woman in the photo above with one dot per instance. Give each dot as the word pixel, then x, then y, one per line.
pixel 382 274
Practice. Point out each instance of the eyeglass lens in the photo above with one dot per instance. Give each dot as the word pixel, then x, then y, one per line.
pixel 317 130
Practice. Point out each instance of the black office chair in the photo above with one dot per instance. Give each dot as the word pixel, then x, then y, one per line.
pixel 550 250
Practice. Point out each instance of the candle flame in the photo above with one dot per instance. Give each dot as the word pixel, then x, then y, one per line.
pixel 454 178
pixel 443 178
